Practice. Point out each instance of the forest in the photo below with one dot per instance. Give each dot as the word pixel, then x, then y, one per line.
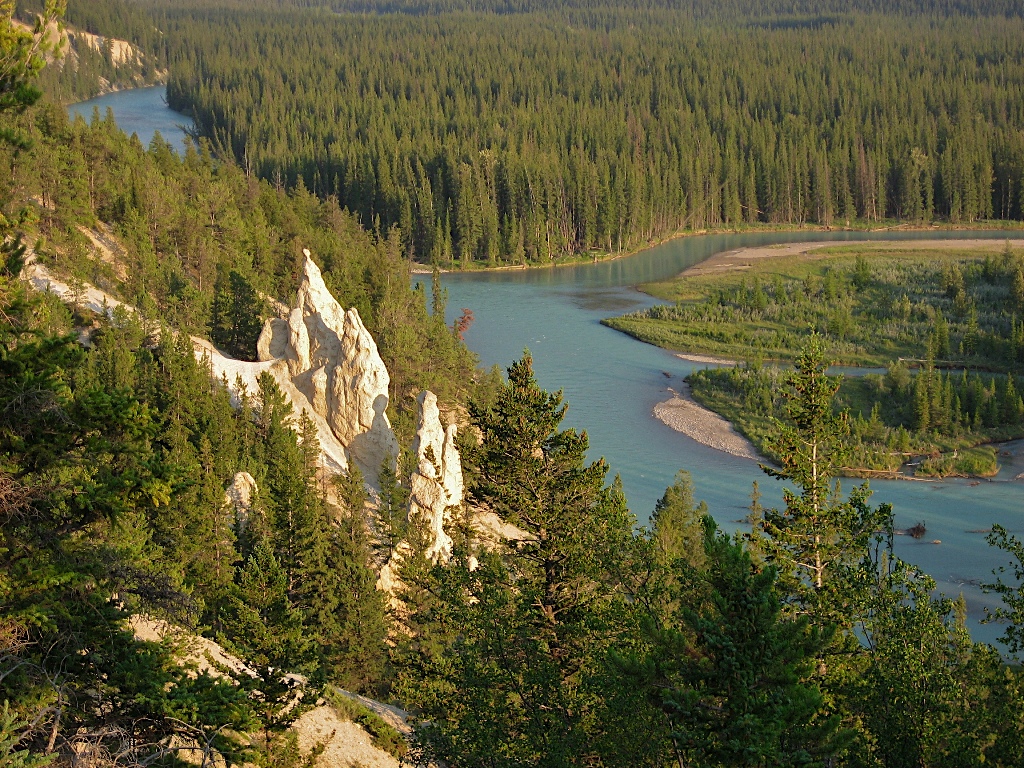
pixel 530 137
pixel 89 67
pixel 535 133
pixel 584 639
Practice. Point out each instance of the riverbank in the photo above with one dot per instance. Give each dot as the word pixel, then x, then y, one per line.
pixel 744 258
pixel 684 414
pixel 601 257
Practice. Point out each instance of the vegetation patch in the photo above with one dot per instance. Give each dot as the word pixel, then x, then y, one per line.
pixel 385 736
pixel 957 308
pixel 931 423
pixel 915 313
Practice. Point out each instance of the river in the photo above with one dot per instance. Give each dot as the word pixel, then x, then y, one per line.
pixel 612 383
pixel 142 111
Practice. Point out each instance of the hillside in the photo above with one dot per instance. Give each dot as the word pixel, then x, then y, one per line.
pixel 236 415
pixel 89 65
pixel 541 136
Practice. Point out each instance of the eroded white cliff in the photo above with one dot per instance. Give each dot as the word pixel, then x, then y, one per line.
pixel 333 361
pixel 328 366
pixel 436 485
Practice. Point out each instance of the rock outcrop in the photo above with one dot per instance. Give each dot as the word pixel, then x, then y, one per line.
pixel 239 497
pixel 333 361
pixel 436 485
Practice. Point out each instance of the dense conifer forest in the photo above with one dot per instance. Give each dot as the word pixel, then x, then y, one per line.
pixel 581 639
pixel 524 137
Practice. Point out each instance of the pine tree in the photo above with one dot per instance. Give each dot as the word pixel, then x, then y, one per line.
pixel 393 510
pixel 268 633
pixel 238 311
pixel 818 541
pixel 732 674
pixel 511 666
pixel 678 530
pixel 535 477
pixel 355 639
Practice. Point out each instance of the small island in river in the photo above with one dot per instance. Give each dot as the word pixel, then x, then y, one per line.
pixel 941 323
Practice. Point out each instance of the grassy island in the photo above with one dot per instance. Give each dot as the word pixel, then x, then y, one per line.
pixel 943 323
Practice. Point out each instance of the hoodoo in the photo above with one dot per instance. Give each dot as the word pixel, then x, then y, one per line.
pixel 333 361
pixel 436 485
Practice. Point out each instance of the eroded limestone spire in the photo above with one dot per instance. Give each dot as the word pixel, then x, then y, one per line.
pixel 333 360
pixel 436 485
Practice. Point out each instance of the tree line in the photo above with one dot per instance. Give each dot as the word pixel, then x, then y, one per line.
pixel 522 138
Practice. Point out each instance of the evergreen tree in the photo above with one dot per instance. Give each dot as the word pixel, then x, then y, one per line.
pixel 535 477
pixel 80 477
pixel 238 314
pixel 356 638
pixel 530 625
pixel 24 54
pixel 678 523
pixel 267 632
pixel 818 542
pixel 732 675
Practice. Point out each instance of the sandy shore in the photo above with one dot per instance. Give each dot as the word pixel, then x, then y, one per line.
pixel 683 414
pixel 743 258
pixel 724 362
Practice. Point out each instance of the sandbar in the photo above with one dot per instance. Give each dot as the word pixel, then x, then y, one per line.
pixel 743 258
pixel 692 357
pixel 684 414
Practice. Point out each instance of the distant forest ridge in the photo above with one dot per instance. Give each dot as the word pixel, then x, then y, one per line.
pixel 521 139
pixel 715 9
pixel 595 126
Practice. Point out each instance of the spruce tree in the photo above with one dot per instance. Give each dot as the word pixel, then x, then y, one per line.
pixel 267 631
pixel 732 671
pixel 677 523
pixel 514 665
pixel 818 541
pixel 356 649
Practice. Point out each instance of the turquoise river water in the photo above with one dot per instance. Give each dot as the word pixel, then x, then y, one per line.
pixel 612 383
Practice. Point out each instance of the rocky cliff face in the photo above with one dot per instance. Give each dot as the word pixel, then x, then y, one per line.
pixel 327 362
pixel 333 361
pixel 436 485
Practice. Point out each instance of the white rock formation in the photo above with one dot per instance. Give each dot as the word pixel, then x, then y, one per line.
pixel 436 485
pixel 239 374
pixel 333 360
pixel 239 496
